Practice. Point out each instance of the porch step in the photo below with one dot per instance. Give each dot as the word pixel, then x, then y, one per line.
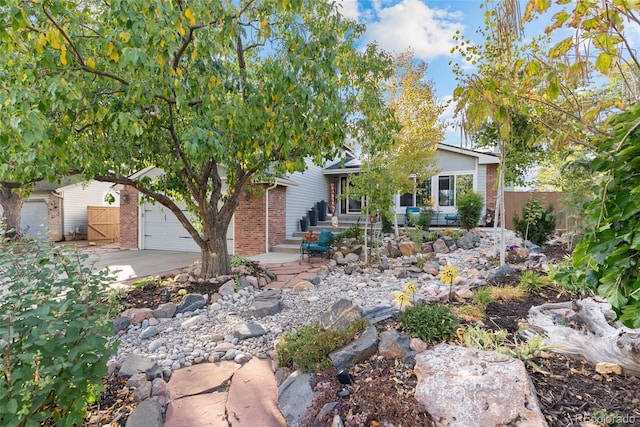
pixel 287 248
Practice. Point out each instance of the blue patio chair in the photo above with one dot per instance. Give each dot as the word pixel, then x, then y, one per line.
pixel 322 246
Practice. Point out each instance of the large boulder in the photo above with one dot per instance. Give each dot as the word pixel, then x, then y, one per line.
pixel 295 397
pixel 357 351
pixel 464 387
pixel 340 315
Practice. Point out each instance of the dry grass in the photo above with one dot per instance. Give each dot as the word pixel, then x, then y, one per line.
pixel 506 293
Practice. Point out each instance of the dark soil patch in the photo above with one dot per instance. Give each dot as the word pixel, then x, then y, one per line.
pixel 569 390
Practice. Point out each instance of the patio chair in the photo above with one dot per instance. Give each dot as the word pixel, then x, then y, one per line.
pixel 322 246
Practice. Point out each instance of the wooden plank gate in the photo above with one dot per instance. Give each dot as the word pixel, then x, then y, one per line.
pixel 103 224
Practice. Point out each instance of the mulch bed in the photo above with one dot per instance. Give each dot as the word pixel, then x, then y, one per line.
pixel 569 390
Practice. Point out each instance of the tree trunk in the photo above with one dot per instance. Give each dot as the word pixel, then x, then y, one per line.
pixel 11 203
pixel 581 328
pixel 214 256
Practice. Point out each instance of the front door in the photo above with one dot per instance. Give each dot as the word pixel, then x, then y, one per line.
pixel 348 205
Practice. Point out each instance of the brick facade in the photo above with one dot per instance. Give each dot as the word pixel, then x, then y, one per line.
pixel 54 220
pixel 129 218
pixel 250 225
pixel 492 186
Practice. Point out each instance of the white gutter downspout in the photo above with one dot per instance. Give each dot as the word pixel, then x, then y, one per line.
pixel 266 216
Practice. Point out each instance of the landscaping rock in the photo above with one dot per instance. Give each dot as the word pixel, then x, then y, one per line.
pixel 249 330
pixel 295 397
pixel 137 315
pixel 407 248
pixel 440 247
pixel 121 324
pixel 459 386
pixel 134 364
pixel 266 303
pixel 500 272
pixel 165 311
pixel 357 351
pixel 340 315
pixel 191 302
pixel 393 344
pixel 147 414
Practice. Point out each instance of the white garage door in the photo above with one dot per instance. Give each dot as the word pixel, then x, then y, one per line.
pixel 34 219
pixel 163 231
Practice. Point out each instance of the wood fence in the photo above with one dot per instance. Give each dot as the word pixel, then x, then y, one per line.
pixel 515 201
pixel 103 224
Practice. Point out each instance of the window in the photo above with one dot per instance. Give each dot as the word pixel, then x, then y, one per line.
pixel 446 185
pixel 464 183
pixel 423 196
pixel 406 199
pixel 450 186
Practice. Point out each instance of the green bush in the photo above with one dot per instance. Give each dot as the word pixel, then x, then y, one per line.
pixel 416 235
pixel 431 323
pixel 308 349
pixel 423 219
pixel 469 205
pixel 54 334
pixel 537 223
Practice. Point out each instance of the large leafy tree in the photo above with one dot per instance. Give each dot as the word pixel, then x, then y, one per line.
pixel 218 95
pixel 32 145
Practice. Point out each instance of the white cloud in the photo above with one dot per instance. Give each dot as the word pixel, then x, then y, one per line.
pixel 411 23
pixel 349 8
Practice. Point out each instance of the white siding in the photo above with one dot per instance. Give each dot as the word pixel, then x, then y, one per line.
pixel 482 187
pixel 312 187
pixel 452 162
pixel 77 197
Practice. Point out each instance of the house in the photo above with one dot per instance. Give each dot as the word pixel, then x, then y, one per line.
pixel 459 169
pixel 56 213
pixel 260 218
pixel 267 218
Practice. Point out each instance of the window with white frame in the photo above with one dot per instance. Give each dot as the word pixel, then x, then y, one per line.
pixel 420 197
pixel 450 186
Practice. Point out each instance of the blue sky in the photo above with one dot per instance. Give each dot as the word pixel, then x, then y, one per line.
pixel 425 26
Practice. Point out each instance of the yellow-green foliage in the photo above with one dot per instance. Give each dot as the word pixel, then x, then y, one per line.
pixel 531 281
pixel 308 349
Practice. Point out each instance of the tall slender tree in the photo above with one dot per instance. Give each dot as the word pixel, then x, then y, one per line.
pixel 410 158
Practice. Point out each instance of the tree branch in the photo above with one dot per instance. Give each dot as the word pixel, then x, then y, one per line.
pixel 77 55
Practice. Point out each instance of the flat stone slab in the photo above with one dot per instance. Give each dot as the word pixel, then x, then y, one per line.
pixel 199 379
pixel 204 410
pixel 462 387
pixel 252 399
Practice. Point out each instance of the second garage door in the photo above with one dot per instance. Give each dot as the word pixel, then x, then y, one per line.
pixel 162 231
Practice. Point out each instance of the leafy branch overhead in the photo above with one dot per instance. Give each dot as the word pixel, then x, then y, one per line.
pixel 216 95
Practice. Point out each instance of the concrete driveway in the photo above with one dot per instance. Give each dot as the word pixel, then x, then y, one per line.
pixel 126 265
pixel 130 264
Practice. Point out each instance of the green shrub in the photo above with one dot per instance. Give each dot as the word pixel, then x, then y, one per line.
pixel 423 219
pixel 537 223
pixel 54 334
pixel 531 281
pixel 352 232
pixel 237 261
pixel 431 323
pixel 469 205
pixel 308 349
pixel 416 235
pixel 482 296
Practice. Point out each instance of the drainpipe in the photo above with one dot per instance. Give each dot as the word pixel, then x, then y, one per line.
pixel 266 216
